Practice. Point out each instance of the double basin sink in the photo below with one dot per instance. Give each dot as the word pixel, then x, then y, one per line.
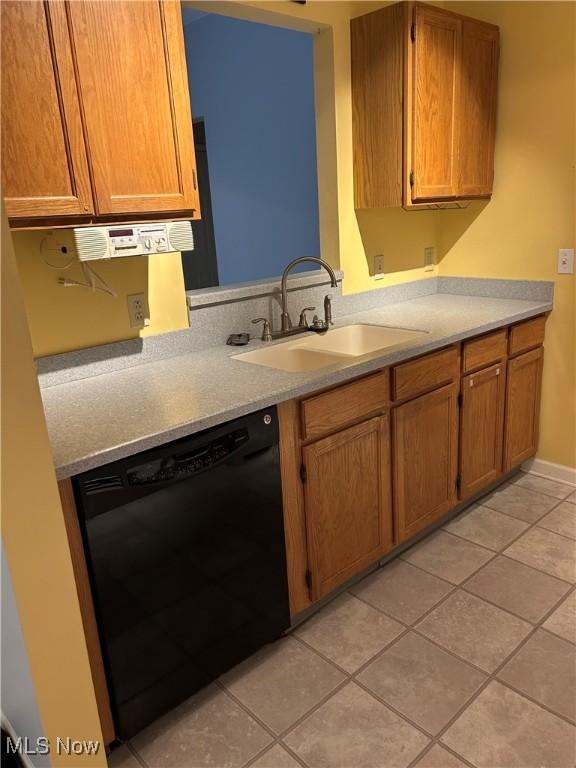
pixel 339 345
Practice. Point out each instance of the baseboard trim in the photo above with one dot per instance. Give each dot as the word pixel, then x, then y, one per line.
pixel 550 470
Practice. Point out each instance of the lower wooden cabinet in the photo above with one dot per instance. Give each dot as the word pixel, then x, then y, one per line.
pixel 522 407
pixel 481 428
pixel 425 459
pixel 369 464
pixel 348 502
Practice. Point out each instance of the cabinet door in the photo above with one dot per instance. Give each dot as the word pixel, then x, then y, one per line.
pixel 425 459
pixel 132 74
pixel 481 428
pixel 347 499
pixel 476 108
pixel 522 407
pixel 44 166
pixel 435 51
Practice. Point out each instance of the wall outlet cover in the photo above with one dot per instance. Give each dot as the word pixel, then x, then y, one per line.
pixel 138 310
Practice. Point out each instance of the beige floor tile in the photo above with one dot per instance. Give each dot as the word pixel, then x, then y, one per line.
pixel 349 632
pixel 518 588
pixel 502 729
pixel 352 729
pixel 545 669
pixel 572 498
pixel 543 485
pixel 207 731
pixel 487 527
pixel 447 556
pixel 282 682
pixel 122 758
pixel 561 520
pixel 547 552
pixel 402 591
pixel 438 757
pixel 277 757
pixel 519 502
pixel 474 630
pixel 563 621
pixel 421 681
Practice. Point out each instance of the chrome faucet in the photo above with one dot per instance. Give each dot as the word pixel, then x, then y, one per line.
pixel 286 322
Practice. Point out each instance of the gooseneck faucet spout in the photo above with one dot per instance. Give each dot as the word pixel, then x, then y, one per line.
pixel 285 318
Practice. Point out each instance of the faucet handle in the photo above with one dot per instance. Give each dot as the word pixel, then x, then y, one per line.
pixel 266 333
pixel 303 321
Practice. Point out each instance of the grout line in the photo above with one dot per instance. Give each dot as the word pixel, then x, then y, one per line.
pixel 542 493
pixel 531 698
pixel 137 756
pixel 563 535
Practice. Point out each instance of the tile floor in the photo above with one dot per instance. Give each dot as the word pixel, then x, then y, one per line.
pixel 462 652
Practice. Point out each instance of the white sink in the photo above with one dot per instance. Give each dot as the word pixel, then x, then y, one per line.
pixel 291 356
pixel 361 339
pixel 339 345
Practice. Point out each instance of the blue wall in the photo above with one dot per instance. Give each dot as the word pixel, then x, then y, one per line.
pixel 253 85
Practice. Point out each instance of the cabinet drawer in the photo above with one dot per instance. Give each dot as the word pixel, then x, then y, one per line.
pixel 332 410
pixel 485 350
pixel 426 373
pixel 526 335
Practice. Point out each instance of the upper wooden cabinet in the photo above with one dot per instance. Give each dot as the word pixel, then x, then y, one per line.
pixel 424 84
pixel 95 110
pixel 44 164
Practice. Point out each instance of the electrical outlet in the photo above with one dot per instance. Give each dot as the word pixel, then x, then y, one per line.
pixel 565 261
pixel 378 267
pixel 429 258
pixel 138 310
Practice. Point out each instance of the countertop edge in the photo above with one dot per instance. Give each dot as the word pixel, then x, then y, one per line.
pixel 301 389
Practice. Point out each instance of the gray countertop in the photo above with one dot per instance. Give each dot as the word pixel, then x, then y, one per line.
pixel 96 420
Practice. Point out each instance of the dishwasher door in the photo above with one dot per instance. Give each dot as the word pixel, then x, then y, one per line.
pixel 185 549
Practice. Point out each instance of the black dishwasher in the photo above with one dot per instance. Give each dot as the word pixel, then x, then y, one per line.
pixel 185 549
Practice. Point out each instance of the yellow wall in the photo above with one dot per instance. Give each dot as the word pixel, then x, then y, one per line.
pixel 532 211
pixel 62 319
pixel 35 538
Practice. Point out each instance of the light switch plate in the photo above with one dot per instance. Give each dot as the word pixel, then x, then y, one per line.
pixel 429 258
pixel 565 261
pixel 378 267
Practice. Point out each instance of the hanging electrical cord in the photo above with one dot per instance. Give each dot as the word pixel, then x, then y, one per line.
pixel 93 281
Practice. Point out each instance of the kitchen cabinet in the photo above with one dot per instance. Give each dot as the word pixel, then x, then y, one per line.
pixel 522 407
pixel 424 87
pixel 97 122
pixel 347 501
pixel 481 428
pixel 425 439
pixel 44 161
pixel 460 418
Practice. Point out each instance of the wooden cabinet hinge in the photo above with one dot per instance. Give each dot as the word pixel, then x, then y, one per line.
pixel 411 178
pixel 413 33
pixel 303 473
pixel 308 578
